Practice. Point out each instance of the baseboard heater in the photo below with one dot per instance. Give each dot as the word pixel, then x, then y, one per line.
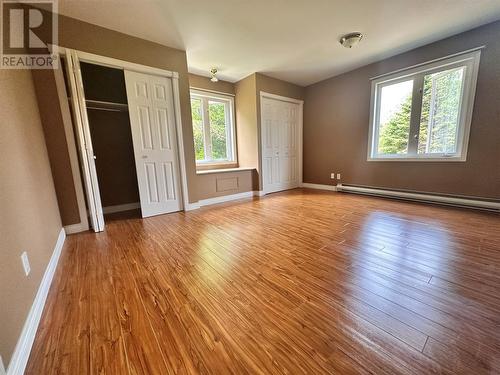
pixel 423 197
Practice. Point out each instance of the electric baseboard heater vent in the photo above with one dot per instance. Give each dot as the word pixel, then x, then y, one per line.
pixel 421 197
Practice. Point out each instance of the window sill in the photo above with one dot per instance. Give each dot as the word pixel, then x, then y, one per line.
pixel 422 159
pixel 215 165
pixel 225 170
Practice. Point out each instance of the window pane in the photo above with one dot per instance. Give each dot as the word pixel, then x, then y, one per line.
pixel 440 112
pixel 196 111
pixel 218 135
pixel 394 121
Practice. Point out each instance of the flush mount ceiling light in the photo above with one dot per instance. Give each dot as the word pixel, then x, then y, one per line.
pixel 350 40
pixel 213 75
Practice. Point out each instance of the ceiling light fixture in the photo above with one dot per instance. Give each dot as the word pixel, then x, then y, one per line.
pixel 350 40
pixel 213 75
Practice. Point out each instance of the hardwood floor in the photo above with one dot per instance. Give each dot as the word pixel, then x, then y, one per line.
pixel 297 282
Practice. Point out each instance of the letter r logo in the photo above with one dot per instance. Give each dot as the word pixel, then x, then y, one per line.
pixel 29 28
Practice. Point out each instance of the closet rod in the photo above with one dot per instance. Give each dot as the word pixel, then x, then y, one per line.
pixel 108 109
pixel 108 106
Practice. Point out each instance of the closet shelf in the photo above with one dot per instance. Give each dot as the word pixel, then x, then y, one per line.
pixel 106 106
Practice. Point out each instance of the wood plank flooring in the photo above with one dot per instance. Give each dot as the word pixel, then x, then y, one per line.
pixel 301 282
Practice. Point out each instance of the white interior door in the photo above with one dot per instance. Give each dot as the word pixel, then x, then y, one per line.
pixel 280 144
pixel 289 145
pixel 271 166
pixel 84 141
pixel 151 109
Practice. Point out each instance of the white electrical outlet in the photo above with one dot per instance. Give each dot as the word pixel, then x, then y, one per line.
pixel 338 176
pixel 332 176
pixel 26 263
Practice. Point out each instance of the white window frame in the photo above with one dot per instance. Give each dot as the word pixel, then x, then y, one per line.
pixel 469 59
pixel 228 101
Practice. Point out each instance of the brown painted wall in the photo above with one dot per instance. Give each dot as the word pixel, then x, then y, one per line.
pixel 86 37
pixel 336 124
pixel 57 147
pixel 29 219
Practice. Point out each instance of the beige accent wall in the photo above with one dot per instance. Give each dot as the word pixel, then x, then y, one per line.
pixel 226 183
pixel 278 87
pixel 29 219
pixel 337 122
pixel 246 122
pixel 247 108
pixel 200 82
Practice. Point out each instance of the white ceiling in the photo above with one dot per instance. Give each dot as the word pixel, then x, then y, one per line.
pixel 294 40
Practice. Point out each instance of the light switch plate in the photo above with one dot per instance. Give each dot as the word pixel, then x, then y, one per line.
pixel 338 176
pixel 26 263
pixel 332 176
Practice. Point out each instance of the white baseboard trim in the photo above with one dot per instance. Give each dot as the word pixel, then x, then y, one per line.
pixel 318 186
pixel 2 367
pixel 23 348
pixel 192 206
pixel 76 228
pixel 121 208
pixel 225 198
pixel 422 197
pixel 222 199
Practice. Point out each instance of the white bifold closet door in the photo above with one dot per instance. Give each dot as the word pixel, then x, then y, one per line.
pixel 84 141
pixel 280 153
pixel 152 119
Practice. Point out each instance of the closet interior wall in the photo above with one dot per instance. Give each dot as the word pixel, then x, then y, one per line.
pixel 109 122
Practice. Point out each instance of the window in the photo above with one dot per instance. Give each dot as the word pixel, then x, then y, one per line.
pixel 213 128
pixel 424 113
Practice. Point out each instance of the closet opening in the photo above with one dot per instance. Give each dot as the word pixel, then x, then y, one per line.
pixel 109 123
pixel 126 120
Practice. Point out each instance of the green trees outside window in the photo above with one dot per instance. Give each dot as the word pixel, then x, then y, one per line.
pixel 439 119
pixel 198 136
pixel 212 128
pixel 218 133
